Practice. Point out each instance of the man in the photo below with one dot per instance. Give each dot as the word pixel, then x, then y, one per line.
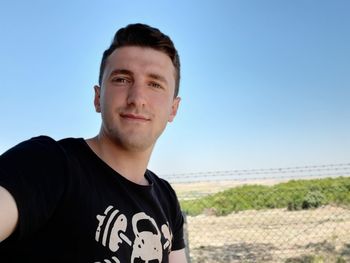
pixel 94 200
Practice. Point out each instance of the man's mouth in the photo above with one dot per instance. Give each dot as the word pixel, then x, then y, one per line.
pixel 135 117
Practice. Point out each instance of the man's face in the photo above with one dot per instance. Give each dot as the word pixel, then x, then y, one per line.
pixel 136 98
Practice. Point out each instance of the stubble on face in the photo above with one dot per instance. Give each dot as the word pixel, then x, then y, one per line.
pixel 133 137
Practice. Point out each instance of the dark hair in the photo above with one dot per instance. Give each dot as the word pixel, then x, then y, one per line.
pixel 143 36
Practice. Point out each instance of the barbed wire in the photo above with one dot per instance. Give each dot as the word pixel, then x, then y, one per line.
pixel 314 171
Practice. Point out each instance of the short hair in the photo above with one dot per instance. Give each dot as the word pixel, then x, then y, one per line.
pixel 142 35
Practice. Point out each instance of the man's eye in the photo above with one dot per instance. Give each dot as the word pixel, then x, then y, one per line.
pixel 155 85
pixel 120 80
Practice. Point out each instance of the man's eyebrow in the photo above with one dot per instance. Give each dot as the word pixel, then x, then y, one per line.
pixel 121 71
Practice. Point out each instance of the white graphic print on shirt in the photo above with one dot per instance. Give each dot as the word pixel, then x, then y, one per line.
pixel 146 246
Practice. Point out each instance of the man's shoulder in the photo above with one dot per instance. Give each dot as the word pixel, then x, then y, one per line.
pixel 39 140
pixel 155 178
pixel 49 139
pixel 33 145
pixel 160 183
pixel 44 140
pixel 43 145
pixel 71 142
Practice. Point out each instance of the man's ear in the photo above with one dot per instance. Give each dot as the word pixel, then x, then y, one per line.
pixel 174 109
pixel 97 98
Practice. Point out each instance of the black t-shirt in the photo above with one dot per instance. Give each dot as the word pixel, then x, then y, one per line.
pixel 73 207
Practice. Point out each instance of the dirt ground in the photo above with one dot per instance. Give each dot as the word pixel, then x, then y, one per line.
pixel 274 235
pixel 270 236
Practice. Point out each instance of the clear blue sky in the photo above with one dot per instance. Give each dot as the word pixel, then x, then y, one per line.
pixel 264 83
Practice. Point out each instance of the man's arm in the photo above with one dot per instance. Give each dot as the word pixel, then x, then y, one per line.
pixel 178 256
pixel 8 214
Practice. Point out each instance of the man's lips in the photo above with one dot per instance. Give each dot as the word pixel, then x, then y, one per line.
pixel 135 117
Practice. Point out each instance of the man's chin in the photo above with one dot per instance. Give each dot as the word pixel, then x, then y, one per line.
pixel 135 144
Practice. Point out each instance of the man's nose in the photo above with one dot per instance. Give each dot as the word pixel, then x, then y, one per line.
pixel 136 94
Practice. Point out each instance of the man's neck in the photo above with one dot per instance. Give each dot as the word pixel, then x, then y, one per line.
pixel 130 164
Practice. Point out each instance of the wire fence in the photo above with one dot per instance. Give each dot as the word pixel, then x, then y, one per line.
pixel 294 214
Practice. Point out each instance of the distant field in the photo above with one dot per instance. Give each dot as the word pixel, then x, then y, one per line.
pixel 198 189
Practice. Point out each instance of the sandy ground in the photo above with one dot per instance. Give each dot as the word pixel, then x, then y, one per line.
pixel 270 235
pixel 274 235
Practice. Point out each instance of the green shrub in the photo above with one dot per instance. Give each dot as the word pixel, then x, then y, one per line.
pixel 306 259
pixel 293 195
pixel 313 199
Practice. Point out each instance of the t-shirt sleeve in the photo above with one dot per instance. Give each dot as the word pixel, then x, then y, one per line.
pixel 178 234
pixel 33 172
pixel 178 223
